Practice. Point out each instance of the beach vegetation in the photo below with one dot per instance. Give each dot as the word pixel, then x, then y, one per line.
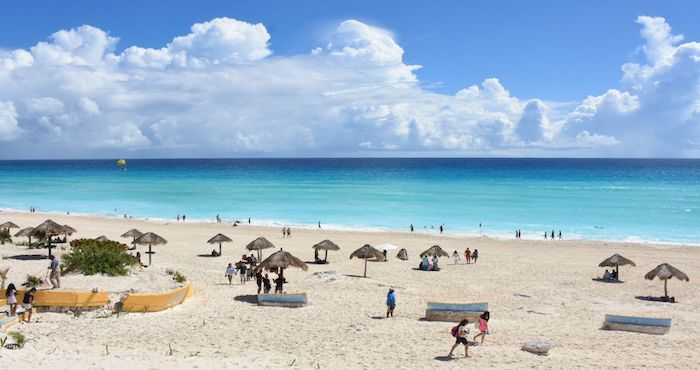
pixel 177 275
pixel 33 281
pixel 32 245
pixel 18 337
pixel 90 257
pixel 5 236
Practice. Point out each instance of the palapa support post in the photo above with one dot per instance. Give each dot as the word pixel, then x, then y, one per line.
pixel 325 259
pixel 665 288
pixel 365 267
pixel 219 249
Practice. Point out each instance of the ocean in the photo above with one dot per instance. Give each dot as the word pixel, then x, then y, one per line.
pixel 611 199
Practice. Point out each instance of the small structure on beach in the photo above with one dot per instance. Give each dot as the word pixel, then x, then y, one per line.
pixel 219 238
pixel 27 232
pixel 646 325
pixel 403 254
pixel 69 230
pixel 8 225
pixel 258 245
pixel 435 250
pixel 367 252
pixel 281 260
pixel 49 228
pixel 150 239
pixel 664 272
pixel 133 233
pixel 616 261
pixel 326 246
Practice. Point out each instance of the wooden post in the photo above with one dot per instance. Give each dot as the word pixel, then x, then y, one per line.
pixel 326 258
pixel 665 288
pixel 219 249
pixel 149 255
pixel 365 267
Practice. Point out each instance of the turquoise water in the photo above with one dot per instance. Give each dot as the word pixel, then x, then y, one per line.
pixel 617 199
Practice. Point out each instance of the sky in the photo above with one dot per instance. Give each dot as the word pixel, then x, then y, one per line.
pixel 364 78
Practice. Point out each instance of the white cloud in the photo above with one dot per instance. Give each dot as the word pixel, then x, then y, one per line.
pixel 216 91
pixel 9 127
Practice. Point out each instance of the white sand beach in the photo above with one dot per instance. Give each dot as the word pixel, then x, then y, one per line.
pixel 535 289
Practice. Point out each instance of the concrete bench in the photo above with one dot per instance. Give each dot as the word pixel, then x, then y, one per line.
pixel 455 312
pixel 647 325
pixel 283 300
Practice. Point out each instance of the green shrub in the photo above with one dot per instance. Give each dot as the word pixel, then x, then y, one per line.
pixel 18 338
pixel 33 281
pixel 180 278
pixel 5 236
pixel 90 257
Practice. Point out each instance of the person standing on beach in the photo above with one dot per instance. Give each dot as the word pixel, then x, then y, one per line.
pixel 545 235
pixel 319 224
pixel 390 303
pixel 55 275
pixel 28 302
pixel 230 272
pixel 178 217
pixel 266 284
pixel 183 217
pixel 483 326
pixel 11 295
pixel 284 232
pixel 461 333
pixel 411 227
pixel 289 232
pixel 475 255
pixel 455 257
pixel 468 256
pixel 552 234
pixel 559 234
pixel 279 284
pixel 442 228
pixel 243 271
pixel 259 280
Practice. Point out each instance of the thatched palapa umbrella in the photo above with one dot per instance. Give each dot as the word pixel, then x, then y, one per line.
pixel 101 238
pixel 8 225
pixel 616 261
pixel 326 245
pixel 69 230
pixel 435 250
pixel 150 239
pixel 219 238
pixel 133 233
pixel 47 229
pixel 281 260
pixel 664 272
pixel 367 252
pixel 27 231
pixel 258 245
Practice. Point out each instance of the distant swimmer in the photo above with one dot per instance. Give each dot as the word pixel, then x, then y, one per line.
pixel 319 224
pixel 559 234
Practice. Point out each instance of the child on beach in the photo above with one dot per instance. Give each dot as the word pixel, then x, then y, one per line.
pixel 455 257
pixel 28 302
pixel 11 295
pixel 279 284
pixel 230 272
pixel 483 326
pixel 390 303
pixel 266 284
pixel 461 333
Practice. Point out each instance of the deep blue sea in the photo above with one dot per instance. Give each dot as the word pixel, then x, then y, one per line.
pixel 615 199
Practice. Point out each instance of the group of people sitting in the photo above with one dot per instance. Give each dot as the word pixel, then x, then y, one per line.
pixel 612 276
pixel 429 265
pixel 317 260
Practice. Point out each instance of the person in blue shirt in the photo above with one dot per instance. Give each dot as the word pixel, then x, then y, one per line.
pixel 390 303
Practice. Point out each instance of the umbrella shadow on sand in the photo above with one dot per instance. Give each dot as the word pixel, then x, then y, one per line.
pixel 28 257
pixel 656 299
pixel 601 280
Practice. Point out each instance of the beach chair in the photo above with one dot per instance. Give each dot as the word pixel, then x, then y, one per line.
pixel 646 325
pixel 283 300
pixel 455 312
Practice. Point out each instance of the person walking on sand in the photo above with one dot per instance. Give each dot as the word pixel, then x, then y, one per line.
pixel 559 234
pixel 468 256
pixel 545 235
pixel 55 275
pixel 243 270
pixel 455 257
pixel 442 228
pixel 390 303
pixel 475 255
pixel 552 234
pixel 461 333
pixel 28 302
pixel 483 326
pixel 289 232
pixel 11 295
pixel 284 232
pixel 178 217
pixel 230 272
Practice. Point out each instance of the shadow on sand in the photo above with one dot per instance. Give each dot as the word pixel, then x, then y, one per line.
pixel 656 299
pixel 247 298
pixel 601 280
pixel 29 257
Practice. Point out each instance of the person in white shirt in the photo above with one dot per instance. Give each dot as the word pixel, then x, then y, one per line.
pixel 462 335
pixel 230 272
pixel 455 257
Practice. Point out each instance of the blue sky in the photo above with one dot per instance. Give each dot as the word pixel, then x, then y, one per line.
pixel 553 50
pixel 540 69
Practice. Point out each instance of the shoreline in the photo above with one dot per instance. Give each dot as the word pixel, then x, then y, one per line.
pixel 339 228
